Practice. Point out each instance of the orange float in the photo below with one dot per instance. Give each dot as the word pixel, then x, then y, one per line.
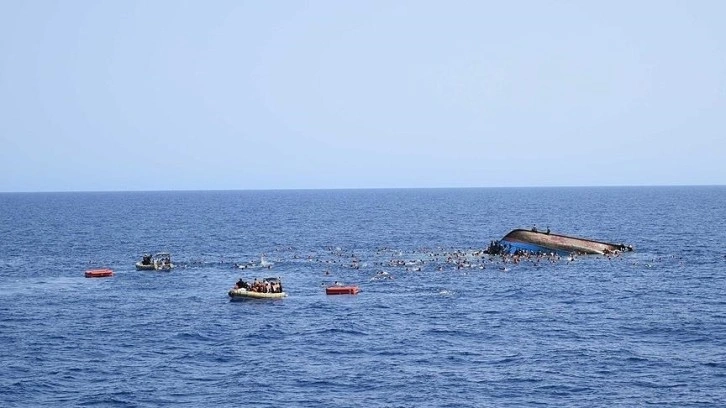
pixel 98 273
pixel 342 290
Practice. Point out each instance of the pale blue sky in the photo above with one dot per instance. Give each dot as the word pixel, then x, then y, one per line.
pixel 172 95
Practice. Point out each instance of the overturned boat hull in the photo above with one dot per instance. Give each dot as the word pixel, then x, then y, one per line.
pixel 534 241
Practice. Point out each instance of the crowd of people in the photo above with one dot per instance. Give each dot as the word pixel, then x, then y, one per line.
pixel 383 263
pixel 260 286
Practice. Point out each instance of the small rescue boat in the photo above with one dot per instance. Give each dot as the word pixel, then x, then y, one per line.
pixel 98 273
pixel 342 290
pixel 156 262
pixel 267 288
pixel 236 294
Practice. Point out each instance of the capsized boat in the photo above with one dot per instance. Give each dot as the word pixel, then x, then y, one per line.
pixel 546 242
pixel 267 288
pixel 157 262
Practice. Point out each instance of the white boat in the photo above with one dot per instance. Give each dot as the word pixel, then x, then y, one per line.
pixel 157 262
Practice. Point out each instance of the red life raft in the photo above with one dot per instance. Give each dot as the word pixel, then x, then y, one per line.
pixel 98 273
pixel 342 290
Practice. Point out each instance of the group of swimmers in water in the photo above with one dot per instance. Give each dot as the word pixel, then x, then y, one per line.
pixel 384 261
pixel 461 260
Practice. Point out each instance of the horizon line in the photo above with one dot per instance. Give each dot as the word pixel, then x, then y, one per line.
pixel 358 188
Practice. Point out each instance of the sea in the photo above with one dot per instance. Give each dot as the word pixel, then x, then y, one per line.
pixel 437 323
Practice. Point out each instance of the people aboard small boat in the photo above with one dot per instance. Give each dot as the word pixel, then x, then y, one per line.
pixel 241 284
pixel 163 262
pixel 146 259
pixel 268 285
pixel 159 262
pixel 267 288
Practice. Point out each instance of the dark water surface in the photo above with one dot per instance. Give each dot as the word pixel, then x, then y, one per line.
pixel 646 328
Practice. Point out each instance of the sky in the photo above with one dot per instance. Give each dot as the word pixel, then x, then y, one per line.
pixel 230 95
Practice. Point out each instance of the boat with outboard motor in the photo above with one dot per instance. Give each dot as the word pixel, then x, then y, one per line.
pixel 158 262
pixel 522 240
pixel 267 288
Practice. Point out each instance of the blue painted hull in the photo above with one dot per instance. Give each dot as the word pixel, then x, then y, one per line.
pixel 513 247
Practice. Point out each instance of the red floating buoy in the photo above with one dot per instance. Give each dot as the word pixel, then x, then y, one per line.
pixel 98 273
pixel 342 290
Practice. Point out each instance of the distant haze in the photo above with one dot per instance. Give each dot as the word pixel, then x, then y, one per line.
pixel 195 95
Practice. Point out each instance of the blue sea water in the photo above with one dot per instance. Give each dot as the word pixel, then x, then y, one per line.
pixel 643 328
